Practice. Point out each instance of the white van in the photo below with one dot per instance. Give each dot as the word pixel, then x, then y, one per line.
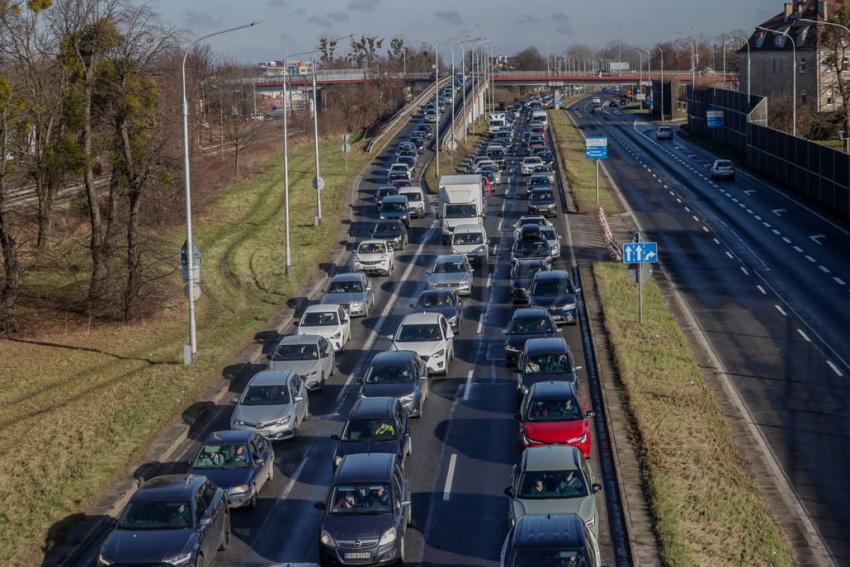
pixel 415 200
pixel 470 240
pixel 541 116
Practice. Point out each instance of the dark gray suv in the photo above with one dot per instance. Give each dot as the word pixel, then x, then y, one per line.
pixel 366 515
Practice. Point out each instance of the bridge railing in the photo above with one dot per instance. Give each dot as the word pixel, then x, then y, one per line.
pixel 401 114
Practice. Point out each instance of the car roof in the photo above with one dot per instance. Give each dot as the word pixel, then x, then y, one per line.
pixel 348 277
pixel 421 318
pixel 411 189
pixel 548 344
pixel 170 486
pixel 551 457
pixel 228 436
pixel 438 292
pixel 322 308
pixel 365 467
pixel 393 357
pixel 467 228
pixel 552 389
pixel 541 189
pixel 270 378
pixel 298 340
pixel 530 313
pixel 536 531
pixel 395 198
pixel 449 258
pixel 379 406
pixel 554 275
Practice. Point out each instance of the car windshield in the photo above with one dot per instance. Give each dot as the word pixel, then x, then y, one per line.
pixel 468 238
pixel 537 180
pixel 550 287
pixel 548 362
pixel 531 326
pixel 550 558
pixel 231 456
pixel 554 409
pixel 389 374
pixel 369 430
pixel 541 485
pixel 265 396
pixel 415 196
pixel 345 287
pixel 435 300
pixel 387 228
pixel 418 333
pixel 399 167
pixel 548 233
pixel 532 160
pixel 449 267
pixel 394 207
pixel 460 211
pixel 156 515
pixel 296 352
pixel 372 248
pixel 361 498
pixel 320 319
pixel 531 248
pixel 541 196
pixel 724 163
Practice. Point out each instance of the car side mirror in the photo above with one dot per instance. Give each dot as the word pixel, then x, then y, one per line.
pixel 326 354
pixel 235 399
pixel 428 272
pixel 298 398
pixel 334 437
pixel 595 487
pixel 509 491
pixel 578 368
pixel 590 413
pixel 405 502
pixel 450 334
pixel 295 323
pixel 345 319
pixel 205 522
pixel 412 305
pixel 319 505
pixel 388 337
pixel 260 462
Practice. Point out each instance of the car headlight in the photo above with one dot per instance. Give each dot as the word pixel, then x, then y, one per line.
pixel 453 320
pixel 327 539
pixel 311 374
pixel 511 348
pixel 338 335
pixel 238 422
pixel 590 522
pixel 179 560
pixel 569 306
pixel 103 561
pixel 580 439
pixel 281 421
pixel 525 438
pixel 387 537
pixel 356 306
pixel 407 399
pixel 382 216
pixel 439 353
pixel 241 489
pixel 337 460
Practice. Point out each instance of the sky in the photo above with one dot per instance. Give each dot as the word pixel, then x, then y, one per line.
pixel 514 25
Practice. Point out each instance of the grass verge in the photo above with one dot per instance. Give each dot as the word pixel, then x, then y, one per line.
pixel 581 172
pixel 706 509
pixel 85 402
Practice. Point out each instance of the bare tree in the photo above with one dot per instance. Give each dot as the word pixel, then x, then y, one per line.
pixel 837 62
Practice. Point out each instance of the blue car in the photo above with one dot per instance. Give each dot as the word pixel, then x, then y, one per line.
pixel 239 462
pixel 178 519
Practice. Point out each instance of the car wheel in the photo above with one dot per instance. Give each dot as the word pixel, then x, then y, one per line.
pixel 253 503
pixel 409 445
pixel 225 539
pixel 321 383
pixel 421 411
pixel 402 559
pixel 271 472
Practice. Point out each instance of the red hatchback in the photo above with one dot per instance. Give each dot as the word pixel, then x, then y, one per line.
pixel 551 414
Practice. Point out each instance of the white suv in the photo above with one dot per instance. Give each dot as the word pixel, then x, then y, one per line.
pixel 529 163
pixel 470 240
pixel 430 336
pixel 415 200
pixel 374 257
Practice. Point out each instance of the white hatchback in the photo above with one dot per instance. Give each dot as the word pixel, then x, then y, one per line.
pixel 430 336
pixel 326 320
pixel 374 257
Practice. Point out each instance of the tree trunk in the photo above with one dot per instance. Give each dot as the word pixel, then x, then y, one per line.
pixel 99 266
pixel 11 268
pixel 44 216
pixel 134 250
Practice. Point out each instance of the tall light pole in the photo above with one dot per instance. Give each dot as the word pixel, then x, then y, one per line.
pixel 548 55
pixel 725 41
pixel 288 254
pixel 846 30
pixel 793 72
pixel 662 82
pixel 187 188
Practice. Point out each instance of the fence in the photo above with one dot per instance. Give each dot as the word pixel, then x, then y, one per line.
pixel 808 169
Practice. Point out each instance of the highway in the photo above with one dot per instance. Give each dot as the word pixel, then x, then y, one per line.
pixel 766 279
pixel 465 445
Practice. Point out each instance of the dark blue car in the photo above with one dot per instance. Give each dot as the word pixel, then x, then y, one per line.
pixel 443 301
pixel 375 425
pixel 170 520
pixel 239 462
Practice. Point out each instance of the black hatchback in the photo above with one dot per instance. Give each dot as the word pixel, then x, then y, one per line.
pixel 367 512
pixel 554 290
pixel 522 273
pixel 550 539
pixel 526 323
pixel 170 520
pixel 375 425
pixel 393 232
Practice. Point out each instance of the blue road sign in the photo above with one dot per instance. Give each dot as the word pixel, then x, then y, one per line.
pixel 714 118
pixel 640 253
pixel 596 148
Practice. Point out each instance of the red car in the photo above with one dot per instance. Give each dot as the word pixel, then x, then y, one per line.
pixel 551 414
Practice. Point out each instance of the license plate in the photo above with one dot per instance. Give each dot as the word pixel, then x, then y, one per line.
pixel 358 555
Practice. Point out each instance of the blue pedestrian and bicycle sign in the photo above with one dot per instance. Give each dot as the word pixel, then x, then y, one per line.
pixel 596 148
pixel 640 253
pixel 714 118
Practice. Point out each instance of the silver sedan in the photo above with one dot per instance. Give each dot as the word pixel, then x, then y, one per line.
pixel 311 357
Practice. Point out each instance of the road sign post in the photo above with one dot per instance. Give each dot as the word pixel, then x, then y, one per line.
pixel 640 256
pixel 596 149
pixel 346 148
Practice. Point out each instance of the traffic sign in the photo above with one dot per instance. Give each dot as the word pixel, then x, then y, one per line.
pixel 197 260
pixel 318 183
pixel 640 253
pixel 195 288
pixel 714 118
pixel 346 147
pixel 644 271
pixel 345 138
pixel 596 148
pixel 451 145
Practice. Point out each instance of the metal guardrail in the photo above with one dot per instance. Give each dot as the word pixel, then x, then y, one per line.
pixel 610 241
pixel 405 110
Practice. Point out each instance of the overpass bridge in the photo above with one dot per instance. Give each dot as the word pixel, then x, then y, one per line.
pixel 553 79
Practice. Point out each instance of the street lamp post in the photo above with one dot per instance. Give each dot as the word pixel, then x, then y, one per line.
pixel 288 255
pixel 662 82
pixel 187 187
pixel 794 76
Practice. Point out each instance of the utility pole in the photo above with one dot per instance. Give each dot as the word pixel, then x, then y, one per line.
pixel 319 183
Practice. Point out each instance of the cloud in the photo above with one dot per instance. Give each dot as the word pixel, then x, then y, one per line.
pixel 559 17
pixel 449 17
pixel 320 21
pixel 201 20
pixel 277 3
pixel 529 19
pixel 338 16
pixel 363 5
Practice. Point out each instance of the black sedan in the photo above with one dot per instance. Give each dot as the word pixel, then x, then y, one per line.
pixel 522 273
pixel 393 232
pixel 443 301
pixel 526 323
pixel 375 425
pixel 170 520
pixel 555 292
